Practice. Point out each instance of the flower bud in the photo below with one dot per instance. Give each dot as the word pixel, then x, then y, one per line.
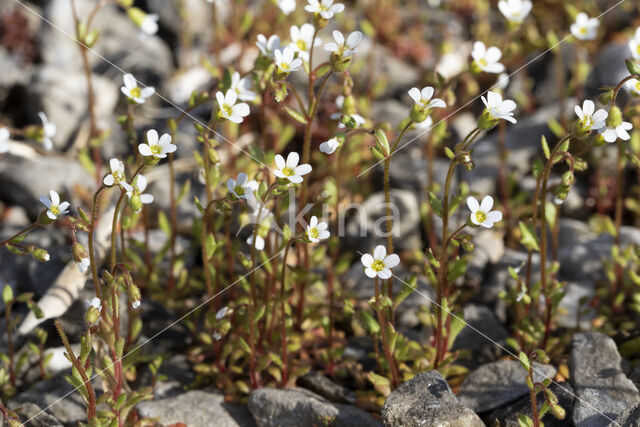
pixel 486 121
pixel 558 412
pixel 338 63
pixel 632 66
pixel 133 292
pixel 92 316
pixel 349 105
pixel 615 117
pixel 475 68
pixel 80 257
pixel 136 203
pixel 418 113
pixel 567 178
pixel 136 15
pixel 40 255
pixel 320 21
pixel 349 121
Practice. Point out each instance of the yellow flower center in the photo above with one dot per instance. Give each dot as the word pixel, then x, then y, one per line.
pixel 481 216
pixel 284 66
pixel 135 92
pixel 228 111
pixel 287 171
pixel 638 49
pixel 239 190
pixel 482 62
pixel 638 86
pixel 54 209
pixel 302 45
pixel 583 30
pixel 155 149
pixel 314 233
pixel 377 265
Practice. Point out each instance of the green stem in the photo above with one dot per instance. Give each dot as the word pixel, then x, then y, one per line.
pixel 19 233
pixel 92 256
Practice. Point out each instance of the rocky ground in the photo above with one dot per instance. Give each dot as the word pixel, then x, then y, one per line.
pixel 600 381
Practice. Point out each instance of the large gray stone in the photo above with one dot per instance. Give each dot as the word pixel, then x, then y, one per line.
pixel 494 384
pixel 629 418
pixel 273 407
pixel 427 400
pixel 198 408
pixel 482 349
pixel 318 383
pixel 603 391
pixel 35 416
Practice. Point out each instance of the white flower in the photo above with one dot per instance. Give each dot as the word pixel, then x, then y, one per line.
pixel 216 335
pixel 612 134
pixel 423 98
pixel 54 207
pixel 344 48
pixel 136 193
pixel 149 25
pixel 515 10
pixel 325 8
pixel 4 140
pixel 481 214
pixel 317 231
pixel 590 119
pixel 222 312
pixel 425 125
pixel 267 47
pixel 338 116
pixel 259 242
pixel 158 148
pixel 117 173
pixel 95 303
pixel 287 6
pixel 83 264
pixel 485 59
pixel 291 170
pixel 286 61
pixel 133 92
pixel 380 264
pixel 634 45
pixel 135 304
pixel 499 109
pixel 585 28
pixel 330 146
pixel 49 130
pixel 301 39
pixel 242 86
pixel 242 188
pixel 228 109
pixel 633 86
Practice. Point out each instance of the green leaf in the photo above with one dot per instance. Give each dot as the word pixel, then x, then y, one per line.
pixel 7 294
pixel 210 245
pixel 295 115
pixel 383 142
pixel 163 223
pixel 528 238
pixel 524 361
pixel 545 147
pixel 243 344
pixel 435 203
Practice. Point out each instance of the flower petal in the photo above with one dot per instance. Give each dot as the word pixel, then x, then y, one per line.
pixel 391 261
pixel 379 252
pixel 366 260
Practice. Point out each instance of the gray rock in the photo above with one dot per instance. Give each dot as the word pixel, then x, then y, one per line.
pixel 368 227
pixel 427 400
pixel 34 414
pixel 273 407
pixel 318 383
pixel 629 418
pixel 507 416
pixel 196 408
pixel 609 69
pixel 571 313
pixel 20 185
pixel 488 249
pixel 483 349
pixel 603 391
pixel 120 42
pixel 494 384
pixel 359 285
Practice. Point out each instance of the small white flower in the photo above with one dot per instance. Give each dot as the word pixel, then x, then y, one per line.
pixel 242 188
pixel 330 146
pixel 317 231
pixel 228 109
pixel 216 335
pixel 499 109
pixel 338 116
pixel 133 92
pixel 117 173
pixel 287 6
pixel 137 191
pixel 590 119
pixel 286 61
pixel 4 140
pixel 633 86
pixel 481 214
pixel 290 169
pixel 515 10
pixel 83 264
pixel 149 25
pixel 49 130
pixel 634 45
pixel 301 39
pixel 325 8
pixel 242 86
pixel 423 98
pixel 259 242
pixel 95 303
pixel 485 59
pixel 268 47
pixel 222 312
pixel 344 48
pixel 54 207
pixel 157 147
pixel 585 28
pixel 612 134
pixel 380 264
pixel 135 304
